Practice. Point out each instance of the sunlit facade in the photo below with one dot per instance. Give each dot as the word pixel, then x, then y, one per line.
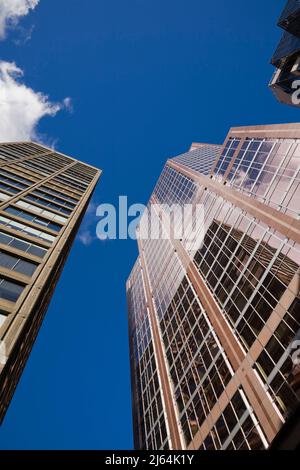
pixel 43 197
pixel 213 324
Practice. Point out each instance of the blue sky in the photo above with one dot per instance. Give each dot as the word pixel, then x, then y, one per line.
pixel 146 78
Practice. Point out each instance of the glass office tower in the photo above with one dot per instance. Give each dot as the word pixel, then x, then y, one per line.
pixel 214 322
pixel 43 197
pixel 286 58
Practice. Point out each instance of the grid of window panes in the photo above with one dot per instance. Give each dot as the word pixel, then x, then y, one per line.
pixel 40 209
pixel 43 221
pixel 174 188
pixel 54 193
pixel 246 265
pixel 199 368
pixel 78 178
pixel 34 243
pixel 237 428
pixel 226 157
pixel 81 173
pixel 278 365
pixel 10 152
pixel 13 262
pixel 22 245
pixel 33 232
pixel 45 165
pixel 164 267
pixel 151 420
pixel 269 170
pixel 42 199
pixel 200 159
pixel 154 418
pixel 178 197
pixel 165 271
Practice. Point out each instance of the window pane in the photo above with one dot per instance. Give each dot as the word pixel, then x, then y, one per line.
pixel 5 239
pixel 26 216
pixel 25 267
pixel 54 226
pixel 7 261
pixel 41 222
pixel 10 291
pixel 12 210
pixel 37 251
pixel 20 245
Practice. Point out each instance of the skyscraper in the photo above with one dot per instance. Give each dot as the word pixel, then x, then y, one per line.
pixel 43 197
pixel 214 317
pixel 286 58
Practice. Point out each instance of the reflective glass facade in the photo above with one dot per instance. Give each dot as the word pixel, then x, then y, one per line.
pixel 43 196
pixel 224 316
pixel 200 159
pixel 151 432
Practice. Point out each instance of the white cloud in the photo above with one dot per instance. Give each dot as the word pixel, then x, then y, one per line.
pixel 86 237
pixel 21 108
pixel 12 10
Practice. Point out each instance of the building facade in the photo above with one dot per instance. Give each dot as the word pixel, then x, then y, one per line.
pixel 286 59
pixel 214 316
pixel 43 197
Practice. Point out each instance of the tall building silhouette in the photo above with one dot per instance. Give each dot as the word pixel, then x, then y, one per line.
pixel 286 58
pixel 214 316
pixel 43 197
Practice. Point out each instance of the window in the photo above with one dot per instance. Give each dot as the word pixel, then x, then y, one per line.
pixel 49 215
pixel 32 218
pixel 17 264
pixel 55 199
pixel 37 251
pixel 10 290
pixel 70 182
pixel 51 205
pixel 16 177
pixel 8 188
pixel 25 267
pixel 4 197
pixel 33 232
pixel 60 194
pixel 12 182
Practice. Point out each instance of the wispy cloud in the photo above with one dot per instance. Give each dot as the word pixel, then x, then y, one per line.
pixel 68 104
pixel 24 35
pixel 21 108
pixel 87 231
pixel 11 11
